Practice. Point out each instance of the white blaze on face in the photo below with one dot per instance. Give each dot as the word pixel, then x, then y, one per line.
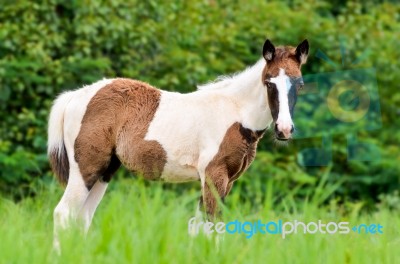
pixel 284 121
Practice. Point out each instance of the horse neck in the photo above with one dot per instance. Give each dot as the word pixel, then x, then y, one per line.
pixel 251 98
pixel 249 94
pixel 246 90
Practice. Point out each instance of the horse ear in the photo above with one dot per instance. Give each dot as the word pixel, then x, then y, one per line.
pixel 302 51
pixel 268 51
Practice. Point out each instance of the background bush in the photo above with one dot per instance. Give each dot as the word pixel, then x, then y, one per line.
pixel 51 45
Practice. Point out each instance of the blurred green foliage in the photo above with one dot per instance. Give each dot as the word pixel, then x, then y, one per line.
pixel 51 45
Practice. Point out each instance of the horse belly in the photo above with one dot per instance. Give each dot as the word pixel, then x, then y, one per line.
pixel 175 172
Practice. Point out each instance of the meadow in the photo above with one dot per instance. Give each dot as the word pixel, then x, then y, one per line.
pixel 142 222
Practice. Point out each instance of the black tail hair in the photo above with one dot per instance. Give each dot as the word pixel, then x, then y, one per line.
pixel 59 163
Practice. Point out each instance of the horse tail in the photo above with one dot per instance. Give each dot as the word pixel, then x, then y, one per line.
pixel 56 150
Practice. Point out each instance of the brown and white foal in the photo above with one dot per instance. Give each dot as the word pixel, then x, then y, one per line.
pixel 209 135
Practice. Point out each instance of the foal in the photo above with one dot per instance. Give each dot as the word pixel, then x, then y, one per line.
pixel 209 135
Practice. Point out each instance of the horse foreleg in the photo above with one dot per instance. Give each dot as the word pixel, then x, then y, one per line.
pixel 215 188
pixel 228 188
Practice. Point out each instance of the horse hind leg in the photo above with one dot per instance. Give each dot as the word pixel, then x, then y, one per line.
pixel 97 192
pixel 93 200
pixel 81 198
pixel 89 163
pixel 72 200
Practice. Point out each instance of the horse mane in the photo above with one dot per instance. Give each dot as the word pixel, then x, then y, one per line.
pixel 254 71
pixel 240 77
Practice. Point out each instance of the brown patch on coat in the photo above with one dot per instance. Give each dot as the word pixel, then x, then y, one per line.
pixel 285 58
pixel 236 152
pixel 113 130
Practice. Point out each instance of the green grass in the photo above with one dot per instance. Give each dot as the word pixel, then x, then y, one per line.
pixel 136 223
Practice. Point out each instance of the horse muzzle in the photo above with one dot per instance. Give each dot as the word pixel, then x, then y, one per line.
pixel 283 132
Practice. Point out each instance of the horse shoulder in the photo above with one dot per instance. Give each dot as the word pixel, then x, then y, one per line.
pixel 236 151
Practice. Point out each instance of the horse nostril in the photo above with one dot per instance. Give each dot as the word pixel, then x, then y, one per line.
pixel 276 128
pixel 292 130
